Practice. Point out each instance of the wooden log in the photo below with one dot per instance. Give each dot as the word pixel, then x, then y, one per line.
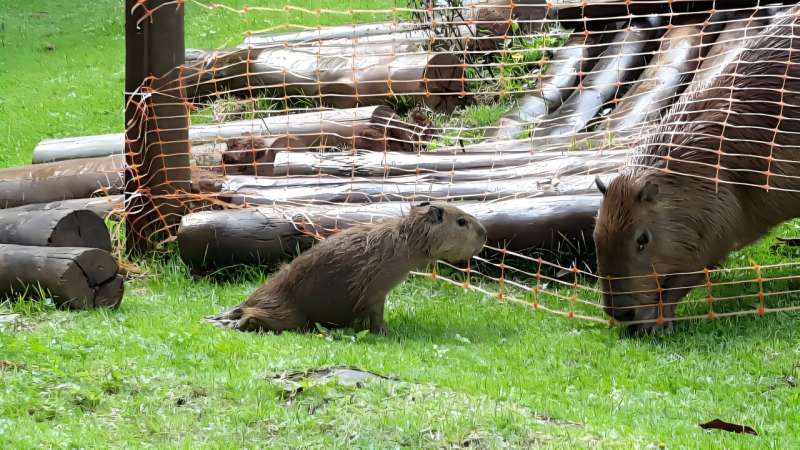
pixel 537 165
pixel 391 164
pixel 267 235
pixel 372 192
pixel 43 183
pixel 657 88
pixel 621 62
pixel 103 206
pixel 557 82
pixel 344 32
pixel 369 192
pixel 556 175
pixel 53 227
pixel 333 122
pixel 482 25
pixel 586 140
pixel 157 168
pixel 580 14
pixel 250 238
pixel 386 131
pixel 76 278
pixel 738 27
pixel 341 81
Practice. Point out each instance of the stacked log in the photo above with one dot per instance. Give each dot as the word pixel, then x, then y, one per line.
pixel 75 278
pixel 271 234
pixel 340 124
pixel 622 61
pixel 43 183
pixel 53 227
pixel 352 33
pixel 61 250
pixel 562 74
pixel 672 66
pixel 103 207
pixel 331 77
pixel 592 14
pixel 550 175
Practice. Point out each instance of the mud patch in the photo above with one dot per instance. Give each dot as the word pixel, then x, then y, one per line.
pixel 15 323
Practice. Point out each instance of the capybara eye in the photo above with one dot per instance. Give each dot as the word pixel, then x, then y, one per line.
pixel 462 222
pixel 642 241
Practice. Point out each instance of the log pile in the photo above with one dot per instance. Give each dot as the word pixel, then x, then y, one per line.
pixel 60 250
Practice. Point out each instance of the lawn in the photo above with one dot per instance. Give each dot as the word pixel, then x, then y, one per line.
pixel 468 370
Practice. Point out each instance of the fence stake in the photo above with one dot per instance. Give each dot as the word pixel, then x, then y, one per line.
pixel 156 122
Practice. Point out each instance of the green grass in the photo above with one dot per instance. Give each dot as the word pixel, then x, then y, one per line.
pixel 472 370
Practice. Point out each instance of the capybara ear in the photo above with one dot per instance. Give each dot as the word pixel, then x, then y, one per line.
pixel 600 185
pixel 649 192
pixel 435 213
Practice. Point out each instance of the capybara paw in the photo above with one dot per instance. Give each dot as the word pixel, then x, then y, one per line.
pixel 380 329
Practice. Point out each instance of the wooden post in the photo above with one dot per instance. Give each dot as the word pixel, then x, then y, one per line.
pixel 156 122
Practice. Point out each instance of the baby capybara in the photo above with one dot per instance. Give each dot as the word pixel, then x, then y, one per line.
pixel 345 278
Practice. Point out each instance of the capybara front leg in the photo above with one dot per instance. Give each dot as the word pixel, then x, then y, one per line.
pixel 376 323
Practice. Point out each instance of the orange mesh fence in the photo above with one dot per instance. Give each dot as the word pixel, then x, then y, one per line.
pixel 318 115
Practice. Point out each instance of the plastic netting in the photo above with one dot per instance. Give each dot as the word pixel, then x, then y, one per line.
pixel 323 114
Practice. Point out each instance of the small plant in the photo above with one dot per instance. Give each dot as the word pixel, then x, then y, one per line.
pixel 467 125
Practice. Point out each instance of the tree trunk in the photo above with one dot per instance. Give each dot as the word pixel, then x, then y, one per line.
pixel 270 234
pixel 43 183
pixel 657 88
pixel 333 122
pixel 103 207
pixel 341 81
pixel 739 27
pixel 621 62
pixel 375 164
pixel 53 227
pixel 76 278
pixel 361 32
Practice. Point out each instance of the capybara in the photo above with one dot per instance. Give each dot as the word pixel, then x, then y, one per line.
pixel 346 277
pixel 717 174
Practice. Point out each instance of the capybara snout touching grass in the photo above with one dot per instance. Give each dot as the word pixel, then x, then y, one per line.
pixel 720 171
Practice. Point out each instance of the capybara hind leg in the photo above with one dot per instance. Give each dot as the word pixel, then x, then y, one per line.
pixel 226 319
pixel 259 320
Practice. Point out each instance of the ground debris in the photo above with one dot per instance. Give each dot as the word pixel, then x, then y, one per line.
pixel 718 424
pixel 14 322
pixel 295 382
pixel 10 365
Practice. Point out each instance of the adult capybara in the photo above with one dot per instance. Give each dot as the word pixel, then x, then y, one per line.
pixel 718 173
pixel 345 278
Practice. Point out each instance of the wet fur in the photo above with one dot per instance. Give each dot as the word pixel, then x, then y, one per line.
pixel 698 215
pixel 345 278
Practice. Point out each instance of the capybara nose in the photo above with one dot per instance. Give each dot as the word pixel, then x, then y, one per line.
pixel 482 232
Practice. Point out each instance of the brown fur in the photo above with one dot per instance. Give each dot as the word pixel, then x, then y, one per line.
pixel 670 197
pixel 345 278
pixel 391 133
pixel 248 155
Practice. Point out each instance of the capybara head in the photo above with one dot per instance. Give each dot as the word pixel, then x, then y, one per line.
pixel 654 234
pixel 444 232
pixel 244 151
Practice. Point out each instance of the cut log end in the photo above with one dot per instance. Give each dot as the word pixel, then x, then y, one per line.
pixel 81 228
pixel 75 278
